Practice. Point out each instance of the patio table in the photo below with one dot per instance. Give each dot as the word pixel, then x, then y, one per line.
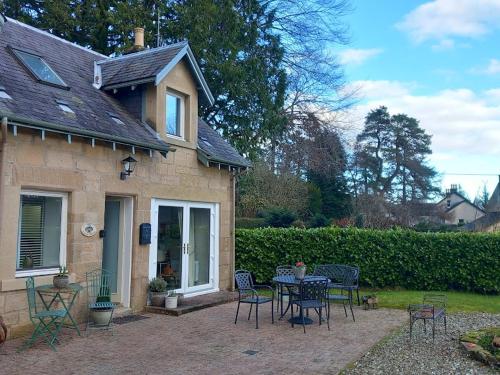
pixel 290 282
pixel 49 295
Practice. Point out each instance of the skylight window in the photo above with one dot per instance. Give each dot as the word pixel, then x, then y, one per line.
pixel 3 93
pixel 39 68
pixel 116 119
pixel 64 106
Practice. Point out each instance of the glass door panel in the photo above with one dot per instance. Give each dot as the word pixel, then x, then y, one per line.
pixel 199 247
pixel 169 263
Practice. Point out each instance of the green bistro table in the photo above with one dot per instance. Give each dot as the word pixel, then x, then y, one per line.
pixel 49 295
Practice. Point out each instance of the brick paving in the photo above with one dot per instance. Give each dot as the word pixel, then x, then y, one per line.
pixel 208 342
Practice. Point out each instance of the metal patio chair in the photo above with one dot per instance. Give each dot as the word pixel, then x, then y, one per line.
pixel 343 279
pixel 282 292
pixel 47 323
pixel 247 293
pixel 312 295
pixel 98 297
pixel 432 308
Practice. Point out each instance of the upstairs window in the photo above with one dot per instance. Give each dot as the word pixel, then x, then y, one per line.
pixel 39 68
pixel 41 246
pixel 175 115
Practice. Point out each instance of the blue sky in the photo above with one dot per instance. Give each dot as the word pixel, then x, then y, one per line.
pixel 437 61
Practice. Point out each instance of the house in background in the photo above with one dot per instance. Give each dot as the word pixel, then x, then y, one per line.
pixel 74 123
pixel 456 209
pixel 490 222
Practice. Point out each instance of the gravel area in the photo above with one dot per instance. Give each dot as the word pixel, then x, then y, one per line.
pixel 395 354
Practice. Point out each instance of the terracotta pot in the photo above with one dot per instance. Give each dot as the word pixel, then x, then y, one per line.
pixel 61 281
pixel 158 299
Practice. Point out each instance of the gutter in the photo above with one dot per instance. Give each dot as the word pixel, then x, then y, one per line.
pixel 206 159
pixel 56 128
pixel 4 133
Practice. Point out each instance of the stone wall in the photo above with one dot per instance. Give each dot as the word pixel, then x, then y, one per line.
pixel 88 174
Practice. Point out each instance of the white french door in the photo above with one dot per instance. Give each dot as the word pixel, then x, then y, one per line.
pixel 184 245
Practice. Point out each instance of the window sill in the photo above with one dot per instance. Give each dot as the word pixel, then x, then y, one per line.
pixel 39 272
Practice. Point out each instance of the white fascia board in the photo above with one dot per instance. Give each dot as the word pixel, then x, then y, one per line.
pixel 186 51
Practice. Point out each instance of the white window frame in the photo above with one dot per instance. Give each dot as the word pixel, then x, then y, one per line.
pixel 64 227
pixel 181 115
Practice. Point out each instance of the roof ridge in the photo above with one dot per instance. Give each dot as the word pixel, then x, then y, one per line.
pixel 135 54
pixel 53 36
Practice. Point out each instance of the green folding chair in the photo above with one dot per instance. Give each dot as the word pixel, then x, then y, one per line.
pixel 47 323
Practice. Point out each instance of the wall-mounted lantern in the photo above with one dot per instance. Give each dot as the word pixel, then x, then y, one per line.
pixel 128 167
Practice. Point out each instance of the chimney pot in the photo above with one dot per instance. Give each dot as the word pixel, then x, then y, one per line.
pixel 139 37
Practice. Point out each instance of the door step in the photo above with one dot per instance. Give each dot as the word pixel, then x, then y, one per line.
pixel 190 304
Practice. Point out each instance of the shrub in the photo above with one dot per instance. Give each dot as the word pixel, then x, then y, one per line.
pixel 157 285
pixel 279 218
pixel 387 258
pixel 250 222
pixel 318 221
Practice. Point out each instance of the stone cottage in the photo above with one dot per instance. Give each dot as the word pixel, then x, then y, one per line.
pixel 91 147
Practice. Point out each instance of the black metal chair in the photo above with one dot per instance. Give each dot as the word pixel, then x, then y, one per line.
pixel 432 308
pixel 312 295
pixel 284 291
pixel 247 293
pixel 342 278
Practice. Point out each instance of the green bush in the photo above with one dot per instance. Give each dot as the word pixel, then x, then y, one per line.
pixel 387 258
pixel 250 222
pixel 318 221
pixel 279 218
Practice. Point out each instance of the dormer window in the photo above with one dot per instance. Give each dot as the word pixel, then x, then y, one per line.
pixel 3 93
pixel 64 106
pixel 39 68
pixel 448 203
pixel 175 115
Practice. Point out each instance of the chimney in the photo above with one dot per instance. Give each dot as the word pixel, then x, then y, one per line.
pixel 139 38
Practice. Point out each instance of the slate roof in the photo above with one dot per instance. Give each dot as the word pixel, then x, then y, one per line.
pixel 140 66
pixel 215 149
pixel 36 103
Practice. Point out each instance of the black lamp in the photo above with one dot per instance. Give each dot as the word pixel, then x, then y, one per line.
pixel 128 167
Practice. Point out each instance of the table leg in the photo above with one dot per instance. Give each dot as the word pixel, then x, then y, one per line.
pixel 68 314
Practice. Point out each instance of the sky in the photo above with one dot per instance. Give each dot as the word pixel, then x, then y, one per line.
pixel 437 61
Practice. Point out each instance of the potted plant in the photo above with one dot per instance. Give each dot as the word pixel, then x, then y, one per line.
pixel 300 270
pixel 101 315
pixel 158 291
pixel 61 280
pixel 171 300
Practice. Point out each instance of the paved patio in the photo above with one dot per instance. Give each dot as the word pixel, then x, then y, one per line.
pixel 208 342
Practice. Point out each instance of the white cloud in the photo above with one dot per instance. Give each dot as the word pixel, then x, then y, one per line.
pixel 443 19
pixel 443 45
pixel 357 56
pixel 460 121
pixel 492 68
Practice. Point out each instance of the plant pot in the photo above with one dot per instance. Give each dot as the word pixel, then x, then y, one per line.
pixel 101 317
pixel 61 281
pixel 300 272
pixel 171 302
pixel 158 299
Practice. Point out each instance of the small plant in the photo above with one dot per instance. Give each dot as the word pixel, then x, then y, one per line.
pixel 157 285
pixel 63 271
pixel 300 265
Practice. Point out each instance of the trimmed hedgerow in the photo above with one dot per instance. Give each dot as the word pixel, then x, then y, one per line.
pixel 387 258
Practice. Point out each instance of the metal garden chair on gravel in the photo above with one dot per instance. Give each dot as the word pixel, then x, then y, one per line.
pixel 432 308
pixel 48 323
pixel 312 295
pixel 343 279
pixel 247 293
pixel 99 299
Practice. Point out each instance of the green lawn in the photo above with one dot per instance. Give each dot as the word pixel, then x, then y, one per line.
pixel 457 301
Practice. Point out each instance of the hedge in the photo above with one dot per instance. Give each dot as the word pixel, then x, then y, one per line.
pixel 387 258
